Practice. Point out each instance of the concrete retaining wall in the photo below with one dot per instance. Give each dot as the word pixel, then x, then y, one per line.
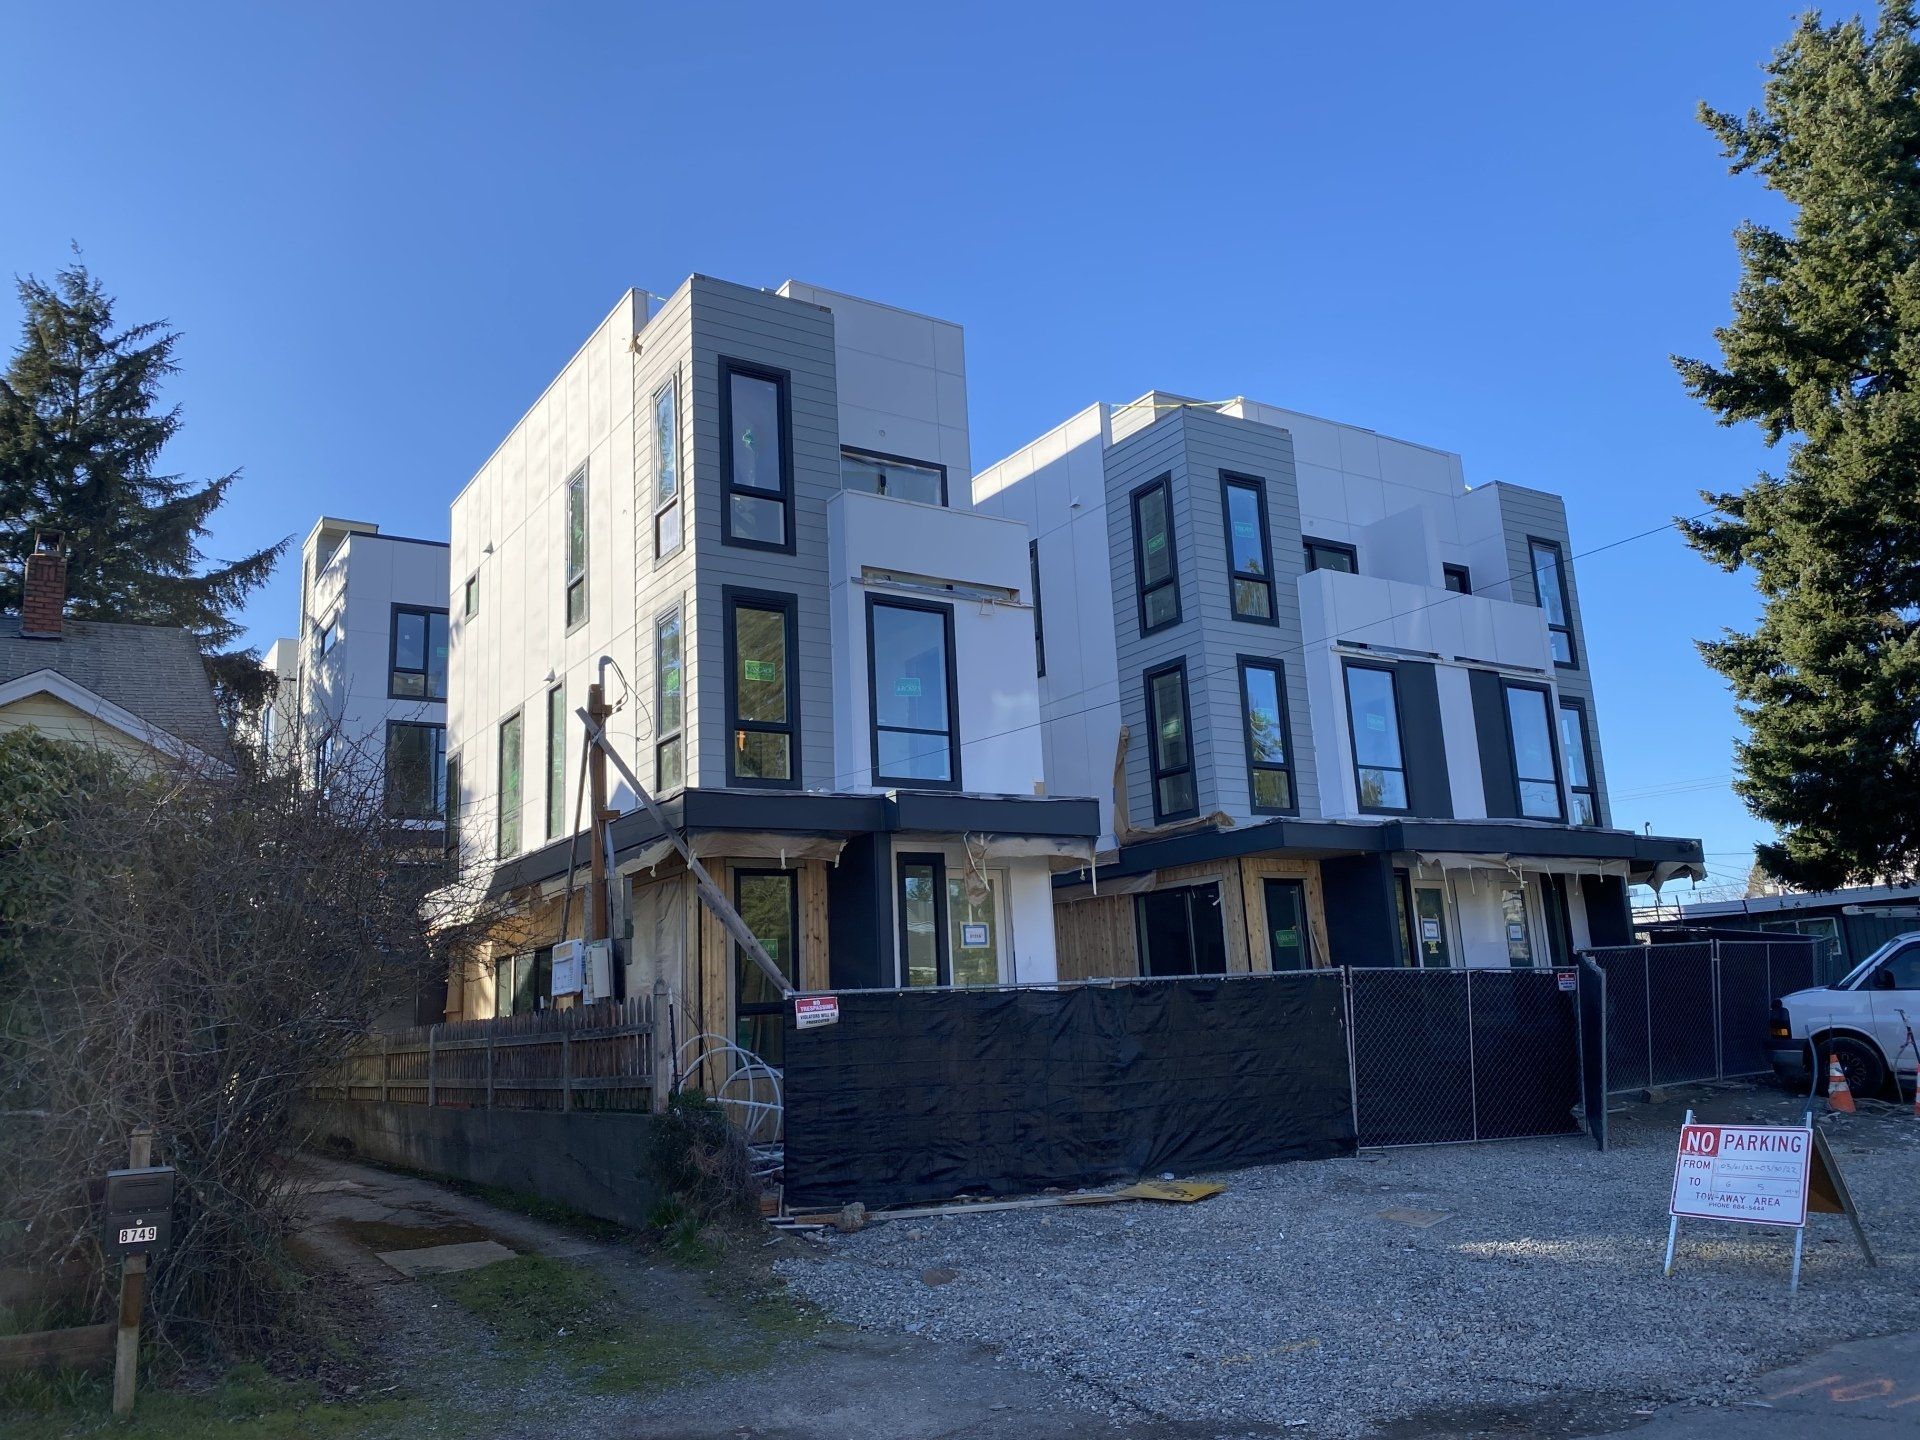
pixel 593 1162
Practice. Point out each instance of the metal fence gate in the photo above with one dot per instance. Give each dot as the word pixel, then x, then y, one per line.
pixel 1679 1014
pixel 1448 1056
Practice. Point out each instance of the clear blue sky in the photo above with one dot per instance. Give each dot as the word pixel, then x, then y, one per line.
pixel 382 228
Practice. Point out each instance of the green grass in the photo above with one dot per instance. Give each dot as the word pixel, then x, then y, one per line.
pixel 247 1402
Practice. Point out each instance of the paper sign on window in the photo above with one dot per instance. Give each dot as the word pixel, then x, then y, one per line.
pixel 1376 722
pixel 973 937
pixel 907 685
pixel 761 670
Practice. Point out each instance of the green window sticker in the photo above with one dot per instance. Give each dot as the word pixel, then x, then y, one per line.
pixel 671 682
pixel 1376 722
pixel 1245 529
pixel 907 685
pixel 1156 543
pixel 761 670
pixel 1170 729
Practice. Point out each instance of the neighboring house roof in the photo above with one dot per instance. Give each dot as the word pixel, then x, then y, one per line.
pixel 152 673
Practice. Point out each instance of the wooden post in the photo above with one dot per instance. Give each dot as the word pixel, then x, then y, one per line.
pixel 489 1067
pixel 386 1065
pixel 432 1099
pixel 660 1050
pixel 133 1293
pixel 566 1070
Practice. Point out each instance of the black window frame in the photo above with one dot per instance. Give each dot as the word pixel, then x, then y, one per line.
pixel 1310 543
pixel 860 452
pixel 1187 891
pixel 1551 716
pixel 1540 542
pixel 450 821
pixel 1192 768
pixel 1039 623
pixel 1450 572
pixel 782 380
pixel 906 782
pixel 430 811
pixel 676 736
pixel 943 958
pixel 425 672
pixel 1348 664
pixel 777 1005
pixel 556 761
pixel 570 579
pixel 500 785
pixel 1592 788
pixel 1244 663
pixel 733 599
pixel 1231 480
pixel 1141 590
pixel 470 597
pixel 674 504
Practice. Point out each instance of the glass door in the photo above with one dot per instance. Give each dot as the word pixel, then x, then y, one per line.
pixel 1515 924
pixel 1430 926
pixel 1288 943
pixel 974 928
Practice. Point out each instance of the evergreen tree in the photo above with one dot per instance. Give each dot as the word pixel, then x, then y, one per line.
pixel 81 434
pixel 1823 354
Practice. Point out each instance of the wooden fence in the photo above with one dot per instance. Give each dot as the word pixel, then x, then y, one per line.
pixel 595 1057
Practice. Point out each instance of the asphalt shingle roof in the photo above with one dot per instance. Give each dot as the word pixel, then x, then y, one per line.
pixel 155 671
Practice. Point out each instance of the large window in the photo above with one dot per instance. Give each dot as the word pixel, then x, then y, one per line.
pixel 523 983
pixel 1331 555
pixel 669 704
pixel 556 761
pixel 1171 747
pixel 949 925
pixel 910 674
pixel 1156 574
pixel 666 472
pixel 1263 706
pixel 507 827
pixel 1550 593
pixel 892 475
pixel 419 654
pixel 1181 931
pixel 1039 626
pixel 763 728
pixel 1536 766
pixel 756 463
pixel 769 903
pixel 1577 746
pixel 1249 555
pixel 577 547
pixel 1379 764
pixel 416 786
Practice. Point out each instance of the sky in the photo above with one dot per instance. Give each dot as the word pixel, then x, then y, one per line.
pixel 382 228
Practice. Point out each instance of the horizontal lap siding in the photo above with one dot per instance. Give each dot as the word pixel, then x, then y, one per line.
pixel 733 322
pixel 666 352
pixel 1525 513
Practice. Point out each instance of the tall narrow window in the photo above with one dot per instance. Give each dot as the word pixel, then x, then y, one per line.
pixel 1577 746
pixel 666 467
pixel 1039 627
pixel 577 547
pixel 1536 767
pixel 472 597
pixel 507 826
pixel 762 726
pixel 1171 747
pixel 556 761
pixel 1379 764
pixel 419 654
pixel 1458 579
pixel 416 770
pixel 923 921
pixel 756 463
pixel 1263 704
pixel 891 475
pixel 1331 555
pixel 669 704
pixel 768 901
pixel 1249 555
pixel 1156 575
pixel 1550 593
pixel 452 837
pixel 910 672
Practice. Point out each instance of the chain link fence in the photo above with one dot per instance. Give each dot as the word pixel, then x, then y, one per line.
pixel 1679 1014
pixel 1445 1056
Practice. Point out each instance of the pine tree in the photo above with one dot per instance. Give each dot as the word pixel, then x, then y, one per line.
pixel 1823 354
pixel 81 434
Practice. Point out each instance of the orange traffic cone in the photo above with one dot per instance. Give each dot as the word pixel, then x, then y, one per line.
pixel 1839 1093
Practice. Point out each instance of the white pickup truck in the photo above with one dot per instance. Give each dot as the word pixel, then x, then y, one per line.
pixel 1868 1020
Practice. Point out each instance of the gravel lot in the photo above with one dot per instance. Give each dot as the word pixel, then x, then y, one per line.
pixel 1290 1301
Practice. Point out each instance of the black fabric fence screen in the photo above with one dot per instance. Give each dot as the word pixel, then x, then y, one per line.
pixel 922 1095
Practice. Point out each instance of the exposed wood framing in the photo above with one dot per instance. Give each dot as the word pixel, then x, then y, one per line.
pixel 1094 939
pixel 1254 869
pixel 813 926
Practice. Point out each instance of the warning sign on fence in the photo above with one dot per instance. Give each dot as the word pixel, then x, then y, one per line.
pixel 1755 1173
pixel 812 1010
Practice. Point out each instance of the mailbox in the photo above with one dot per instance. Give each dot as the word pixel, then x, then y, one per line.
pixel 137 1215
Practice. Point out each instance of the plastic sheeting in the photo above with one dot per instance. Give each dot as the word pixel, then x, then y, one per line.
pixel 922 1095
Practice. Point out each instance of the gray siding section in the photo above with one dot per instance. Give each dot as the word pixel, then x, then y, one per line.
pixel 735 322
pixel 1524 513
pixel 1193 447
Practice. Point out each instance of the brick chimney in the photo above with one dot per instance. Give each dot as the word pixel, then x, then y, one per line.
pixel 44 595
